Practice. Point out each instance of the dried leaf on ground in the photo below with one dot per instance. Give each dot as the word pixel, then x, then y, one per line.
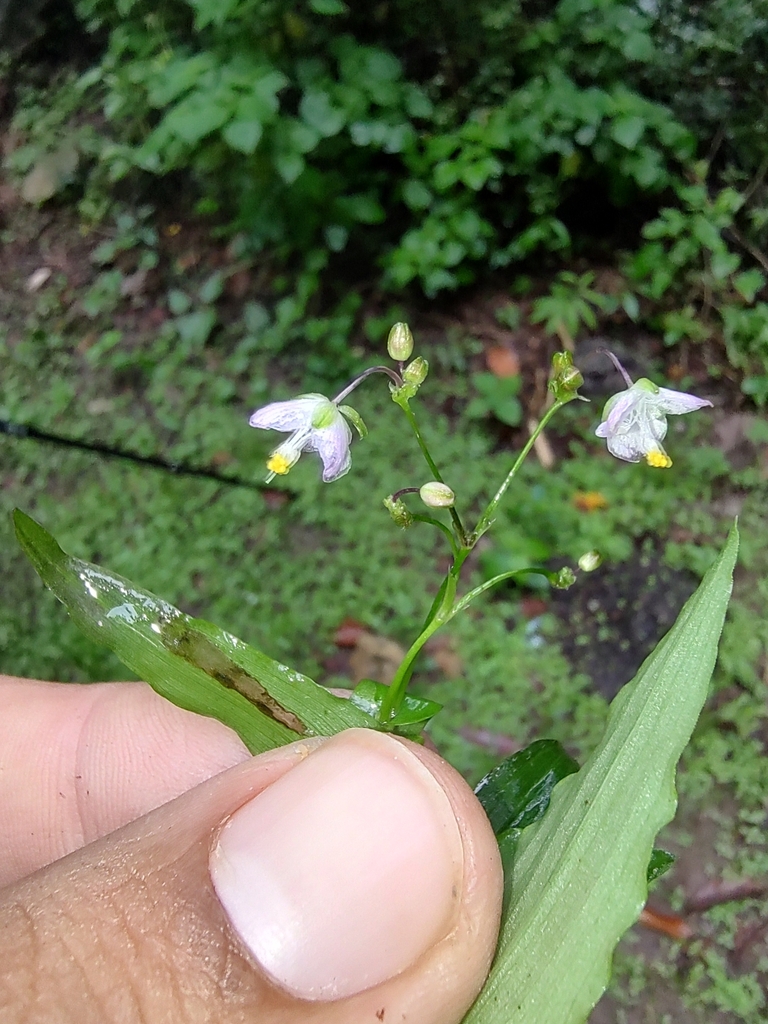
pixel 375 657
pixel 502 361
pixel 50 174
pixel 440 648
pixel 671 925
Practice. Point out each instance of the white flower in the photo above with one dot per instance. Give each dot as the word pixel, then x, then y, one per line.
pixel 635 421
pixel 317 425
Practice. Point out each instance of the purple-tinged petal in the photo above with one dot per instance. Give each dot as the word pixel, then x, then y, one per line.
pixel 332 445
pixel 678 402
pixel 619 406
pixel 290 415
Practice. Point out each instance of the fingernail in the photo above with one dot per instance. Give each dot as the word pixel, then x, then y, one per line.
pixel 345 871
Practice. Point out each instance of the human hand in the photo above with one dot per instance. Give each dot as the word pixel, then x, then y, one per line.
pixel 333 881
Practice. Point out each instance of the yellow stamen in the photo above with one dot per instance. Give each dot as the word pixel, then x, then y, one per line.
pixel 657 459
pixel 278 463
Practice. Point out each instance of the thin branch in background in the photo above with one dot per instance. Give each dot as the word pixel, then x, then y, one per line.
pixel 756 182
pixel 753 251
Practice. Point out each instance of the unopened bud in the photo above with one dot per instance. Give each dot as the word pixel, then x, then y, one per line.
pixel 590 561
pixel 566 378
pixel 416 371
pixel 563 578
pixel 400 343
pixel 397 509
pixel 437 495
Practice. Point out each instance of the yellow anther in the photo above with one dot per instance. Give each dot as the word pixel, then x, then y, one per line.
pixel 278 463
pixel 657 459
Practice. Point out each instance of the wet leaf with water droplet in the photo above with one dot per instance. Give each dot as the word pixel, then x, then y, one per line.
pixel 192 663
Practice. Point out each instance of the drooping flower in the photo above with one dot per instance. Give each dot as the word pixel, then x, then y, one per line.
pixel 317 424
pixel 635 421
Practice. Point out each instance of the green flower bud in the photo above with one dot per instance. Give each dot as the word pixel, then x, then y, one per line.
pixel 400 342
pixel 397 509
pixel 416 371
pixel 590 560
pixel 563 578
pixel 566 378
pixel 437 495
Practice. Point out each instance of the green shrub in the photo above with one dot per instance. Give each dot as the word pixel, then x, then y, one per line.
pixel 303 123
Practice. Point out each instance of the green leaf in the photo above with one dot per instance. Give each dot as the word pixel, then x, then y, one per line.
pixel 177 77
pixel 195 328
pixel 212 287
pixel 416 195
pixel 192 663
pixel 724 263
pixel 244 136
pixel 516 793
pixel 328 7
pixel 289 166
pixel 659 864
pixel 707 233
pixel 749 283
pixel 318 111
pixel 579 878
pixel 414 713
pixel 196 116
pixel 627 130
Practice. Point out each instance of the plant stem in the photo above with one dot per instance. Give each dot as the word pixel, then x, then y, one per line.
pixel 468 598
pixel 441 526
pixel 487 517
pixel 437 617
pixel 457 523
pixel 394 377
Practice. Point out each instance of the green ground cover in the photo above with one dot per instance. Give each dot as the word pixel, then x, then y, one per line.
pixel 283 569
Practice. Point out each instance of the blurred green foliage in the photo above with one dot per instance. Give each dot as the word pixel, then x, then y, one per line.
pixel 429 147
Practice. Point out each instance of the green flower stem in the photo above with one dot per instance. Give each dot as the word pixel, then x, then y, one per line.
pixel 489 584
pixel 441 526
pixel 487 516
pixel 443 609
pixel 457 523
pixel 398 686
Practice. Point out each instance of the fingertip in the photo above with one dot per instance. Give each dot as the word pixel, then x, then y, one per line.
pixel 79 761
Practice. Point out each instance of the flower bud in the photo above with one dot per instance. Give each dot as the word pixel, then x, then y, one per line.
pixel 400 342
pixel 563 578
pixel 566 378
pixel 397 509
pixel 416 371
pixel 590 561
pixel 437 495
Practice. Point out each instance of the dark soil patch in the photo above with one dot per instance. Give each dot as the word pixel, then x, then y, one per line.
pixel 617 614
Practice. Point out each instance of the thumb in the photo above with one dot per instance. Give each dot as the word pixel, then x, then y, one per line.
pixel 339 881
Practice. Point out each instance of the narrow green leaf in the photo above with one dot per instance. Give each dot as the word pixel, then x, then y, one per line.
pixel 192 663
pixel 579 878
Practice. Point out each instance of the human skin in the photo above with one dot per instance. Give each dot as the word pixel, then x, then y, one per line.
pixel 153 871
